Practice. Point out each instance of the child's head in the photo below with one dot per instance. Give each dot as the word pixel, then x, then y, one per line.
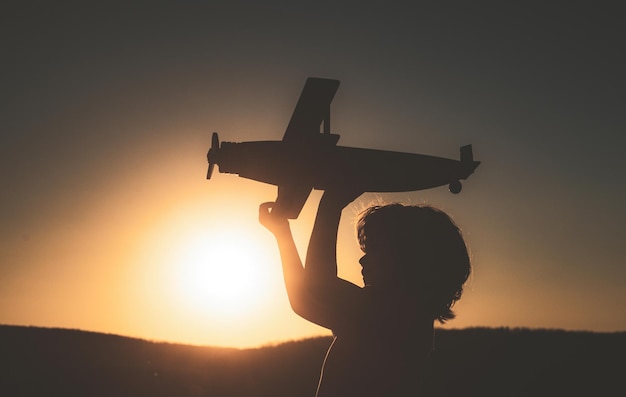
pixel 418 249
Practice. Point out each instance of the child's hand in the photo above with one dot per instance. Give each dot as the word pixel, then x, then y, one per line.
pixel 272 221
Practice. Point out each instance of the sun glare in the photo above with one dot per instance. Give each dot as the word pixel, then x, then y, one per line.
pixel 221 272
pixel 204 266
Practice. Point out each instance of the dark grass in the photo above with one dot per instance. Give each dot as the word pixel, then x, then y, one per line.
pixel 469 362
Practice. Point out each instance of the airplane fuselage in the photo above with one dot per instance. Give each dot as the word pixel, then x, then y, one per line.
pixel 308 158
pixel 322 166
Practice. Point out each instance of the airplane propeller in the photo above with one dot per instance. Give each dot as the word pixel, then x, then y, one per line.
pixel 215 145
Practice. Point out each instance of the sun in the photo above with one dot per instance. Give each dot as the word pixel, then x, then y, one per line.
pixel 218 271
pixel 207 271
pixel 221 273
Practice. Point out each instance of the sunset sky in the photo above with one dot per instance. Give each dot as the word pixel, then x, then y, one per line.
pixel 108 224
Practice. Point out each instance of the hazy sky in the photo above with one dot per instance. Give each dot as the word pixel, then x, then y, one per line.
pixel 106 114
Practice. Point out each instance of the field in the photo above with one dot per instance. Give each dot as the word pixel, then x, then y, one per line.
pixel 469 362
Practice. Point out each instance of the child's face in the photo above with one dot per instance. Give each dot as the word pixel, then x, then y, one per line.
pixel 376 266
pixel 368 269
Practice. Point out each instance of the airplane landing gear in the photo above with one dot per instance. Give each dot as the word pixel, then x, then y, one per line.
pixel 455 187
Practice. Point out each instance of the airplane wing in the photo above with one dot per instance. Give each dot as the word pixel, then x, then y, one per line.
pixel 312 109
pixel 291 199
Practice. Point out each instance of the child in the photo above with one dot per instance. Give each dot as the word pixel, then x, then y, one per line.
pixel 414 268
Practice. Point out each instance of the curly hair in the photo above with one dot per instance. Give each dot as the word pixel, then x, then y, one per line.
pixel 429 254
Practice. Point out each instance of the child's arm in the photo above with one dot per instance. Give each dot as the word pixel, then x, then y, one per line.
pixel 330 297
pixel 315 293
pixel 293 272
pixel 321 259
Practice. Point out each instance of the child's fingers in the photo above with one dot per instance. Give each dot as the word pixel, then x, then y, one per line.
pixel 266 207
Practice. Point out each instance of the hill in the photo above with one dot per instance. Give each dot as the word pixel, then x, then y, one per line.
pixel 469 362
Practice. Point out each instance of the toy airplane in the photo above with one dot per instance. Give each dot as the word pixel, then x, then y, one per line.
pixel 308 158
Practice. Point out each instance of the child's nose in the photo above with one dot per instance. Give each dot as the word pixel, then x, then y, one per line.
pixel 363 260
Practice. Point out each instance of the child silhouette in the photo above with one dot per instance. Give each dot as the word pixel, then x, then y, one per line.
pixel 414 268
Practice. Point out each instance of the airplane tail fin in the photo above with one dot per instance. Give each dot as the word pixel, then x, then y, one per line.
pixel 467 156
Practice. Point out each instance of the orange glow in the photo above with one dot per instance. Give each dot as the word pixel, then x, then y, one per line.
pixel 207 263
pixel 222 272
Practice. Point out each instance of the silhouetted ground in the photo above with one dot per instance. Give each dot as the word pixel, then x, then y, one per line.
pixel 471 362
